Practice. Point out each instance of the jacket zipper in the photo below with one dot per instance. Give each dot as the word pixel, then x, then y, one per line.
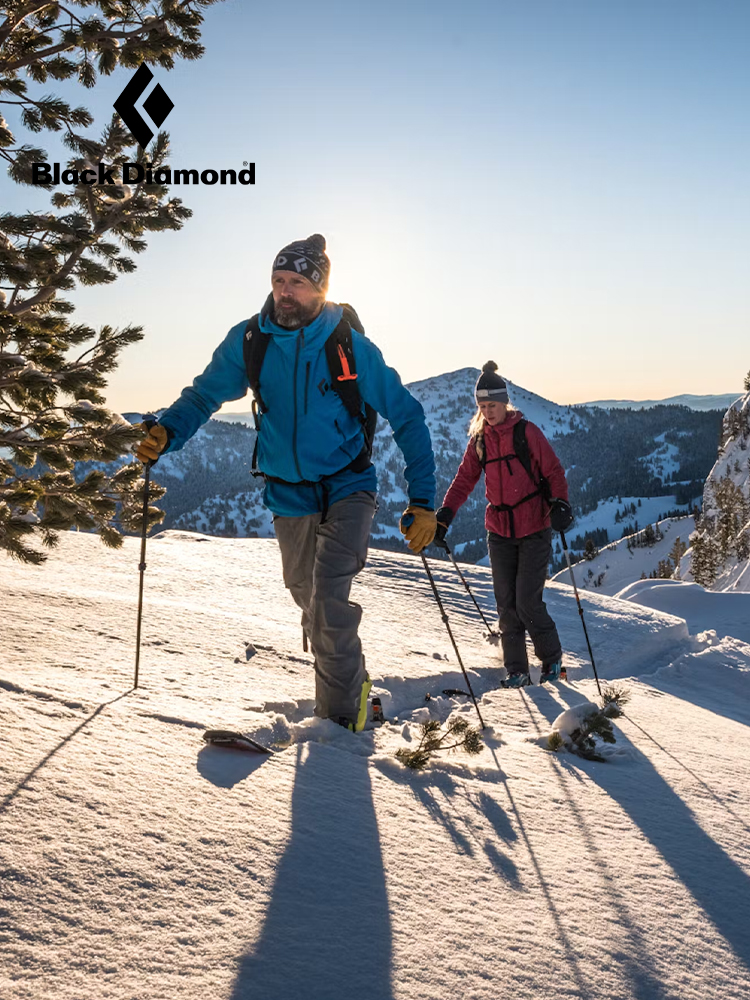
pixel 300 343
pixel 307 380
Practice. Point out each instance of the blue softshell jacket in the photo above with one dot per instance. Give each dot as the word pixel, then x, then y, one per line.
pixel 307 433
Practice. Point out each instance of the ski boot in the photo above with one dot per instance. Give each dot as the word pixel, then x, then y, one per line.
pixel 358 724
pixel 517 679
pixel 551 672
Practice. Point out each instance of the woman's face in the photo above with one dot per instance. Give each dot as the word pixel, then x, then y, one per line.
pixel 493 412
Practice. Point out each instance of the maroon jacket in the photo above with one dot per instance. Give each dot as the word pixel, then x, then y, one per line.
pixel 507 482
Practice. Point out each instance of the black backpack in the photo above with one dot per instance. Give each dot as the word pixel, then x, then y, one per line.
pixel 343 370
pixel 523 455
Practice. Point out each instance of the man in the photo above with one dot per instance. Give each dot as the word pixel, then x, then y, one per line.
pixel 319 482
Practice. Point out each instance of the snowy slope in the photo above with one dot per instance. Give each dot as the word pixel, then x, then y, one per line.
pixel 723 532
pixel 604 517
pixel 137 864
pixel 619 564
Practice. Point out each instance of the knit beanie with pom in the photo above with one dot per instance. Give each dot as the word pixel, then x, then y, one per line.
pixel 308 258
pixel 490 387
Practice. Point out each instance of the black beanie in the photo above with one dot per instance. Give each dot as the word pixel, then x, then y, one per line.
pixel 308 258
pixel 490 387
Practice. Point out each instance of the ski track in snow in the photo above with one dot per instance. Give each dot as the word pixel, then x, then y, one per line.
pixel 138 863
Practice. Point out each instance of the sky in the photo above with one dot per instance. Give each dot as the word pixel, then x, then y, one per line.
pixel 561 187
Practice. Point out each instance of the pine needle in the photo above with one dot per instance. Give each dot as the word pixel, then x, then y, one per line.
pixel 458 735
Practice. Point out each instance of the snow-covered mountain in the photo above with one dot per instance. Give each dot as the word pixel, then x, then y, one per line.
pixel 719 401
pixel 714 553
pixel 655 551
pixel 138 863
pixel 719 557
pixel 661 459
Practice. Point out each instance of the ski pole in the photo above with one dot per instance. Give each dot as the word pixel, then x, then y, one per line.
pixel 444 545
pixel 580 608
pixel 148 422
pixel 142 568
pixel 450 633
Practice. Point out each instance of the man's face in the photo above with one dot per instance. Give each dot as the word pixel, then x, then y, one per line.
pixel 296 300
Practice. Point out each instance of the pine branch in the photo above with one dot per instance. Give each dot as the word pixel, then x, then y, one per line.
pixel 434 740
pixel 597 725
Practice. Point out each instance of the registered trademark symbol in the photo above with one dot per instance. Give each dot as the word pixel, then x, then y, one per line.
pixel 244 163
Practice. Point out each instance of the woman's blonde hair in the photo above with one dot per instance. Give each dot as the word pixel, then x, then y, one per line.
pixel 478 422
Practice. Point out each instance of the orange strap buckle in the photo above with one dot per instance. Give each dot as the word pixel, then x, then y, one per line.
pixel 347 376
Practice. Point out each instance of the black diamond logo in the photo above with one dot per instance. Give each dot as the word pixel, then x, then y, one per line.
pixel 157 105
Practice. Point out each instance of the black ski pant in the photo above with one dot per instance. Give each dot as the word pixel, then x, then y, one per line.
pixel 519 571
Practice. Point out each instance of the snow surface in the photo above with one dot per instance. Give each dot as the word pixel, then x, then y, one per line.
pixel 615 566
pixel 728 614
pixel 138 863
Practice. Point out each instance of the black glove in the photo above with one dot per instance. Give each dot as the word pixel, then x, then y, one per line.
pixel 560 515
pixel 443 517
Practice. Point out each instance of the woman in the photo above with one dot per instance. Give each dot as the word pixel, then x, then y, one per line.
pixel 522 475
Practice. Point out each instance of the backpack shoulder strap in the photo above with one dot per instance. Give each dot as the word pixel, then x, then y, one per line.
pixel 254 347
pixel 521 448
pixel 343 368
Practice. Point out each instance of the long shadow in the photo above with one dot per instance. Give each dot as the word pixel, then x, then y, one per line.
pixel 572 958
pixel 328 918
pixel 711 699
pixel 635 961
pixel 706 787
pixel 719 886
pixel 436 791
pixel 46 759
pixel 716 882
pixel 572 697
pixel 644 980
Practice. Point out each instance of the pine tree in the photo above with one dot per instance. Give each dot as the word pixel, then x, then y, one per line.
pixel 732 513
pixel 746 383
pixel 676 553
pixel 52 412
pixel 705 556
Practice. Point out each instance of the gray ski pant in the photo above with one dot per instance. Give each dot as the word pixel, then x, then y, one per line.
pixel 519 571
pixel 320 558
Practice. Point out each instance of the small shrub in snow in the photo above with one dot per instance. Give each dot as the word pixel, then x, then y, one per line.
pixel 578 728
pixel 459 734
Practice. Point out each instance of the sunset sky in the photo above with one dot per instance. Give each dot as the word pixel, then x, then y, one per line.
pixel 560 186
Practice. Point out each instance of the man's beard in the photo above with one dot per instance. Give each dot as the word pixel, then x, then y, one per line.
pixel 296 315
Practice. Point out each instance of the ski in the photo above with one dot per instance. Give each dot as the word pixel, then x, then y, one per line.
pixel 232 740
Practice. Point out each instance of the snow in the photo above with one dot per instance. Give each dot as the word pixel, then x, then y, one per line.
pixel 139 863
pixel 603 516
pixel 615 566
pixel 728 614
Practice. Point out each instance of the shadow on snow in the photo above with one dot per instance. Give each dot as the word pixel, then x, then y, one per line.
pixel 328 914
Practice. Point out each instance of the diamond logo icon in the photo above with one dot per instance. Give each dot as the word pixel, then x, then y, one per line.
pixel 157 105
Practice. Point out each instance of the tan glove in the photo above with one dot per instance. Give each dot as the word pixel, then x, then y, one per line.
pixel 153 444
pixel 418 525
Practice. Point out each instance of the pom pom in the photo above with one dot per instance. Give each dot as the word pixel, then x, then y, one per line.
pixel 489 366
pixel 318 241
